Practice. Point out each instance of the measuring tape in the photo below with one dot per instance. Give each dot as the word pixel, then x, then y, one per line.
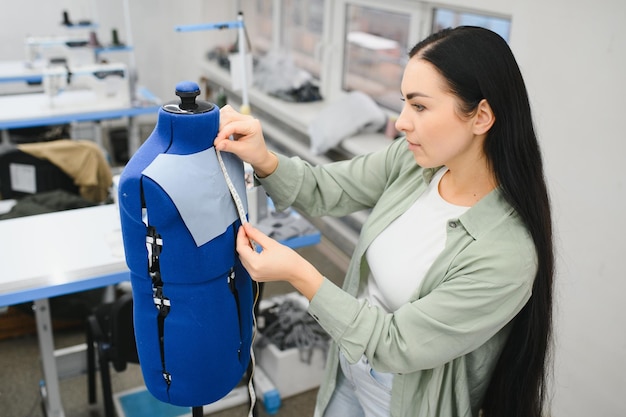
pixel 233 192
pixel 242 217
pixel 232 189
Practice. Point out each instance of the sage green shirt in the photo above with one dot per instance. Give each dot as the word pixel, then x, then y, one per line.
pixel 443 344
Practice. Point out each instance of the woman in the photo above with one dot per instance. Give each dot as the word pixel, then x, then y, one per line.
pixel 446 305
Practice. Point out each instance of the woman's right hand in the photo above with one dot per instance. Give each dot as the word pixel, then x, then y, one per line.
pixel 248 142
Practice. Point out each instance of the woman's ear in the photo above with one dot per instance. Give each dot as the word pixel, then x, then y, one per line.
pixel 484 118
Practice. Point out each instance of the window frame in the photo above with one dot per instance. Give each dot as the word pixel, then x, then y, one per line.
pixel 334 45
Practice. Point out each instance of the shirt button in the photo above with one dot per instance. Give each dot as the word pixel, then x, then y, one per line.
pixel 452 224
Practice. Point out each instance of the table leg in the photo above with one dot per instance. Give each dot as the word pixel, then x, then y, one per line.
pixel 52 398
pixel 134 141
pixel 97 134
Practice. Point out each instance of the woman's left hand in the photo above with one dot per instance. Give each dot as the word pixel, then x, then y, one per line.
pixel 276 262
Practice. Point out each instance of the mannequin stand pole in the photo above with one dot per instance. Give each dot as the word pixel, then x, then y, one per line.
pixel 197 411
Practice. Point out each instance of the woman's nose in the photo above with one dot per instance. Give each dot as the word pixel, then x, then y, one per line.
pixel 401 123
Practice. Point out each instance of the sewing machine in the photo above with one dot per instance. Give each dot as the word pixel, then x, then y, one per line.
pixel 106 82
pixel 42 51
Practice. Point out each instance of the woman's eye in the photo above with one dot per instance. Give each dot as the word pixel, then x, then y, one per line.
pixel 416 106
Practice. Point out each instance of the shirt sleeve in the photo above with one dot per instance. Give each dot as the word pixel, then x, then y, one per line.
pixel 333 189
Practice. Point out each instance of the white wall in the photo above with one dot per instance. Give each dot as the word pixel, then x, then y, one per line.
pixel 163 56
pixel 18 20
pixel 573 56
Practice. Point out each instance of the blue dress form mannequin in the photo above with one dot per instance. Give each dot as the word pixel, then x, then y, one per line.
pixel 193 300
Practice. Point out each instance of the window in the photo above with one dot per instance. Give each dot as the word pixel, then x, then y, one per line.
pixel 351 45
pixel 258 17
pixel 302 30
pixel 443 18
pixel 375 52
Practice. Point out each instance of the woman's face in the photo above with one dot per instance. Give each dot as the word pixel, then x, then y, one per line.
pixel 435 131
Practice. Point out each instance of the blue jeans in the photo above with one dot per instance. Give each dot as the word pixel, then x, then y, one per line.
pixel 360 391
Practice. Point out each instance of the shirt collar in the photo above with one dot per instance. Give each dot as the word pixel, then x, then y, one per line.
pixel 429 173
pixel 487 213
pixel 483 215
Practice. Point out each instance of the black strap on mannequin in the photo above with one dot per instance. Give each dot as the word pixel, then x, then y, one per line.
pixel 233 289
pixel 154 245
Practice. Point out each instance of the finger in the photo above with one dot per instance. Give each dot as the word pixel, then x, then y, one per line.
pixel 236 128
pixel 229 114
pixel 226 115
pixel 222 141
pixel 243 242
pixel 226 108
pixel 227 145
pixel 257 236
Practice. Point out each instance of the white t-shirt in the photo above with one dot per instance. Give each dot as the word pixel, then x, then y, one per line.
pixel 402 254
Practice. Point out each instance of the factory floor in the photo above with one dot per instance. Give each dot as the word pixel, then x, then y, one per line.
pixel 21 371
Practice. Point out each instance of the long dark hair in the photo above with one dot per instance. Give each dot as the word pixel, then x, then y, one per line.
pixel 478 64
